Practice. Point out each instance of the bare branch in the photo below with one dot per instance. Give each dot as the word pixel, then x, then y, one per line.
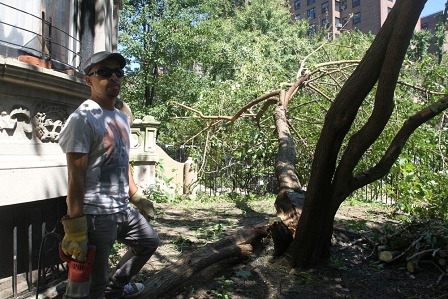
pixel 311 86
pixel 263 109
pixel 422 89
pixel 200 132
pixel 201 115
pixel 302 64
pixel 293 89
pixel 389 67
pixel 264 97
pixel 240 112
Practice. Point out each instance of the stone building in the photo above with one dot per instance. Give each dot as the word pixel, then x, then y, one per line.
pixel 43 45
pixel 429 23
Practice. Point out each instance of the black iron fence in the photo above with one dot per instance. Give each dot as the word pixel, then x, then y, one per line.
pixel 30 234
pixel 220 174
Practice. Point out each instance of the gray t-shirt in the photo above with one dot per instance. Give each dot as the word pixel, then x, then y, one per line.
pixel 104 136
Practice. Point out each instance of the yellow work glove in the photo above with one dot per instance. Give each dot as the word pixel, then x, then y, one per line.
pixel 144 205
pixel 74 242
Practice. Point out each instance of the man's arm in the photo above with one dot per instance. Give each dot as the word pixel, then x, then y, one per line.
pixel 75 240
pixel 77 167
pixel 132 186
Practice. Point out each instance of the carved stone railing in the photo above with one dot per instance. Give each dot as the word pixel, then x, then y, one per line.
pixel 145 154
pixel 34 103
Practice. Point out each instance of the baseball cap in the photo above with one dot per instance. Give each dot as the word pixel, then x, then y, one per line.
pixel 102 56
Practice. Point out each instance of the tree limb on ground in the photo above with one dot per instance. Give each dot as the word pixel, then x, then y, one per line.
pixel 239 245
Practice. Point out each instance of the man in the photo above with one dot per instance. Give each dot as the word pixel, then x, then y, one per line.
pixel 96 141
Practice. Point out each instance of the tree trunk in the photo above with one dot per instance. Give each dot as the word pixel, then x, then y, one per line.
pixel 286 156
pixel 331 183
pixel 239 245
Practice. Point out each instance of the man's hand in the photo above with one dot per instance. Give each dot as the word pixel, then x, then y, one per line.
pixel 75 238
pixel 144 205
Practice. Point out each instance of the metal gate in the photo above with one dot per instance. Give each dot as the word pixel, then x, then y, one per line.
pixel 30 235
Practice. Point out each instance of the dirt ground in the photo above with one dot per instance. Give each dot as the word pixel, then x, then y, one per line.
pixel 352 272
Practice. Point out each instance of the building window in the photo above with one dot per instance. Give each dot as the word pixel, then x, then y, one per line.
pixel 312 30
pixel 297 4
pixel 324 8
pixel 357 18
pixel 343 5
pixel 337 6
pixel 309 2
pixel 298 17
pixel 424 26
pixel 337 23
pixel 324 23
pixel 356 3
pixel 311 13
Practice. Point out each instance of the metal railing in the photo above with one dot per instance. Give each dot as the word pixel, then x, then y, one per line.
pixel 51 39
pixel 220 176
pixel 30 247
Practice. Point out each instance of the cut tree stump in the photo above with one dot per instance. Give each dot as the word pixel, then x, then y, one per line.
pixel 388 256
pixel 239 245
pixel 281 236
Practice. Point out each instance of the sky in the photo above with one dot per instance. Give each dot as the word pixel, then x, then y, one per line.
pixel 433 6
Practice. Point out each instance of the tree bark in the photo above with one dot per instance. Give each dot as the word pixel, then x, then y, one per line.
pixel 240 245
pixel 286 157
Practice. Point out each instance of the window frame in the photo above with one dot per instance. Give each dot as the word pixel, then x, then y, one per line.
pixel 356 18
pixel 308 12
pixel 325 9
pixel 312 29
pixel 337 23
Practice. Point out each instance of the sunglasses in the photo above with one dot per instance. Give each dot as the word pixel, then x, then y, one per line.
pixel 107 73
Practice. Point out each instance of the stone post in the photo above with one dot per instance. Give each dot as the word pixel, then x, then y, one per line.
pixel 190 176
pixel 143 155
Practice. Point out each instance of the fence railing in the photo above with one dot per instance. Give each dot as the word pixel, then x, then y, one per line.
pixel 54 42
pixel 30 241
pixel 220 176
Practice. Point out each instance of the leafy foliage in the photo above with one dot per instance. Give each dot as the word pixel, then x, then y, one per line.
pixel 217 56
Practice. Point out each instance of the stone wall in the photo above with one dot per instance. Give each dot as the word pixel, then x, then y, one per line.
pixel 34 103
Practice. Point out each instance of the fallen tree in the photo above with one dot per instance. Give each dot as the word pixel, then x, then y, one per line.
pixel 303 230
pixel 240 246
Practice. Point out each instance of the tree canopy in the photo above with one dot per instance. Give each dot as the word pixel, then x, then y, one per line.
pixel 196 65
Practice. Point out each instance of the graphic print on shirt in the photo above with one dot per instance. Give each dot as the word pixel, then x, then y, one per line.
pixel 114 170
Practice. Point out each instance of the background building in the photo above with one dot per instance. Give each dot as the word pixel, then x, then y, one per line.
pixel 367 15
pixel 429 23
